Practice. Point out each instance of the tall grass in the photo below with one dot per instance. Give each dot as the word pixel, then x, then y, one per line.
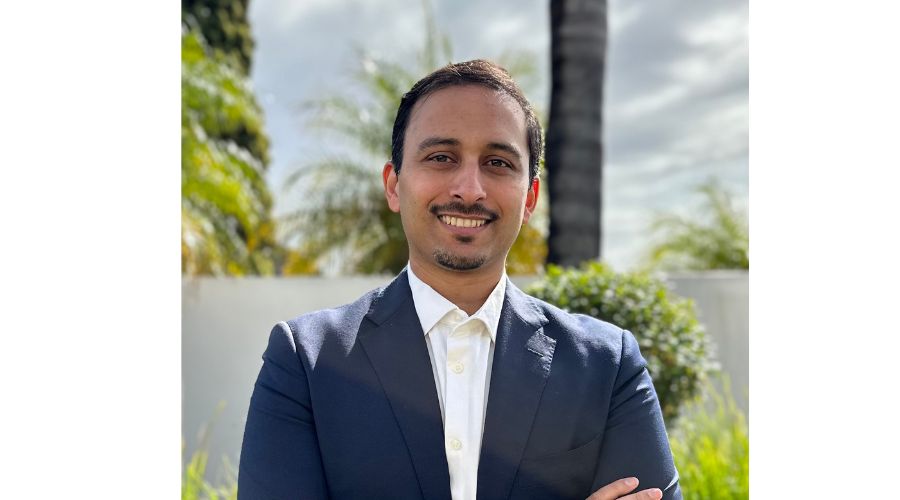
pixel 194 485
pixel 711 446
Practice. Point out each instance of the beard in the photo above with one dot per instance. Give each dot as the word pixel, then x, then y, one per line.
pixel 457 262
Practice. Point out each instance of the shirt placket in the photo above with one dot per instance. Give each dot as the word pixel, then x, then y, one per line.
pixel 458 401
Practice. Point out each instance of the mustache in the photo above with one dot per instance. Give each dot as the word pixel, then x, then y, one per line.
pixel 476 210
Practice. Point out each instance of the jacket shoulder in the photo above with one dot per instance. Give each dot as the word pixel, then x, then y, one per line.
pixel 337 325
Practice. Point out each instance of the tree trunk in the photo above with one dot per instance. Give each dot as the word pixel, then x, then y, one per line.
pixel 574 132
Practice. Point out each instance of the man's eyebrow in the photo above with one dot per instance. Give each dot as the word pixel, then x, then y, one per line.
pixel 506 147
pixel 449 141
pixel 437 141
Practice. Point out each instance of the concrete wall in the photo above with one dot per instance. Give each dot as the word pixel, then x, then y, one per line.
pixel 226 324
pixel 722 299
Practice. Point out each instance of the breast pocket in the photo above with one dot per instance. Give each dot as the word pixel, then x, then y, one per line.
pixel 561 475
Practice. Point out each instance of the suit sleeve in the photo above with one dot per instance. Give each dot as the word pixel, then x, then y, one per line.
pixel 635 442
pixel 280 456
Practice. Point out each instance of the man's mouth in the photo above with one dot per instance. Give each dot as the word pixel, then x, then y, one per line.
pixel 461 222
pixel 465 217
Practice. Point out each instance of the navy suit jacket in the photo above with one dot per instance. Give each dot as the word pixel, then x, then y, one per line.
pixel 345 407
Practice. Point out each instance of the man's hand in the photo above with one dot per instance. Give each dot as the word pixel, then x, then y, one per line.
pixel 616 489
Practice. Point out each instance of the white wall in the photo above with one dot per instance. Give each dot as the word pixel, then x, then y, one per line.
pixel 226 324
pixel 722 299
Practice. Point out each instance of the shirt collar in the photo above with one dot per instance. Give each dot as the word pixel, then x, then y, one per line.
pixel 432 307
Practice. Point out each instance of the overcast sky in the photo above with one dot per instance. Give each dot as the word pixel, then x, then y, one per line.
pixel 676 103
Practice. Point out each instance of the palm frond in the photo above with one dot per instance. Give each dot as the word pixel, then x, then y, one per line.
pixel 719 239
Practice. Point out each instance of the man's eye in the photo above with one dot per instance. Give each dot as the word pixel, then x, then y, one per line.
pixel 499 163
pixel 440 158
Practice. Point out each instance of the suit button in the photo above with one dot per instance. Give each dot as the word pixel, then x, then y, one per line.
pixel 456 444
pixel 457 367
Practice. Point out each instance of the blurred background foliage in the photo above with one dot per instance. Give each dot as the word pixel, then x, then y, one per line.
pixel 717 237
pixel 711 446
pixel 226 28
pixel 343 217
pixel 226 223
pixel 194 483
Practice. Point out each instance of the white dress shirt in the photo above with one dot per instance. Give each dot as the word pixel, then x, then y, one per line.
pixel 462 350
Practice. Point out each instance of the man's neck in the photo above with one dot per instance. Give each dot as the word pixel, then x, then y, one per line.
pixel 467 290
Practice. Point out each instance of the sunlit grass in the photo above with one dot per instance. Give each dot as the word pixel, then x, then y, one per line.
pixel 194 484
pixel 711 446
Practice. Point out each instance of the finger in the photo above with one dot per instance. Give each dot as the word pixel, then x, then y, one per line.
pixel 615 489
pixel 648 494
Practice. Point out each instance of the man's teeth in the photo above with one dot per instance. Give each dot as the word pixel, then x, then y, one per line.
pixel 460 222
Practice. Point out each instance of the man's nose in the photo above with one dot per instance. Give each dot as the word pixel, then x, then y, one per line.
pixel 467 184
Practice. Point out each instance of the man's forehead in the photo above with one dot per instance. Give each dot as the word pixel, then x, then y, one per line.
pixel 467 91
pixel 455 97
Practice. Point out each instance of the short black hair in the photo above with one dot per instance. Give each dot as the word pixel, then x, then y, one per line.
pixel 475 72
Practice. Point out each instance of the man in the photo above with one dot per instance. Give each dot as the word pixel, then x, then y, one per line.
pixel 450 382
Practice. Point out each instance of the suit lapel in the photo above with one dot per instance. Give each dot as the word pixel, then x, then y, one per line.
pixel 393 340
pixel 521 365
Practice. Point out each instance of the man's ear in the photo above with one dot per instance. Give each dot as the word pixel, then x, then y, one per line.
pixel 390 186
pixel 531 199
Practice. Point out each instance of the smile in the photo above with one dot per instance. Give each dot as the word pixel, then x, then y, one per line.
pixel 461 222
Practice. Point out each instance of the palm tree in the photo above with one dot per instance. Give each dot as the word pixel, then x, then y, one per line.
pixel 344 216
pixel 578 30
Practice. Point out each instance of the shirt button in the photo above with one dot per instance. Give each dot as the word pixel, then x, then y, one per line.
pixel 457 367
pixel 456 444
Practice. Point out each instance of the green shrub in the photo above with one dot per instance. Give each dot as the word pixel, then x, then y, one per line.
pixel 666 327
pixel 711 447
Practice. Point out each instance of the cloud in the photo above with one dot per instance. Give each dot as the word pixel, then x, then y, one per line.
pixel 676 112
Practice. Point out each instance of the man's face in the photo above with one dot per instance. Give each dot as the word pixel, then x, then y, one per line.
pixel 463 191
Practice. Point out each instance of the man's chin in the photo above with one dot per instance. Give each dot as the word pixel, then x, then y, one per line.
pixel 456 262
